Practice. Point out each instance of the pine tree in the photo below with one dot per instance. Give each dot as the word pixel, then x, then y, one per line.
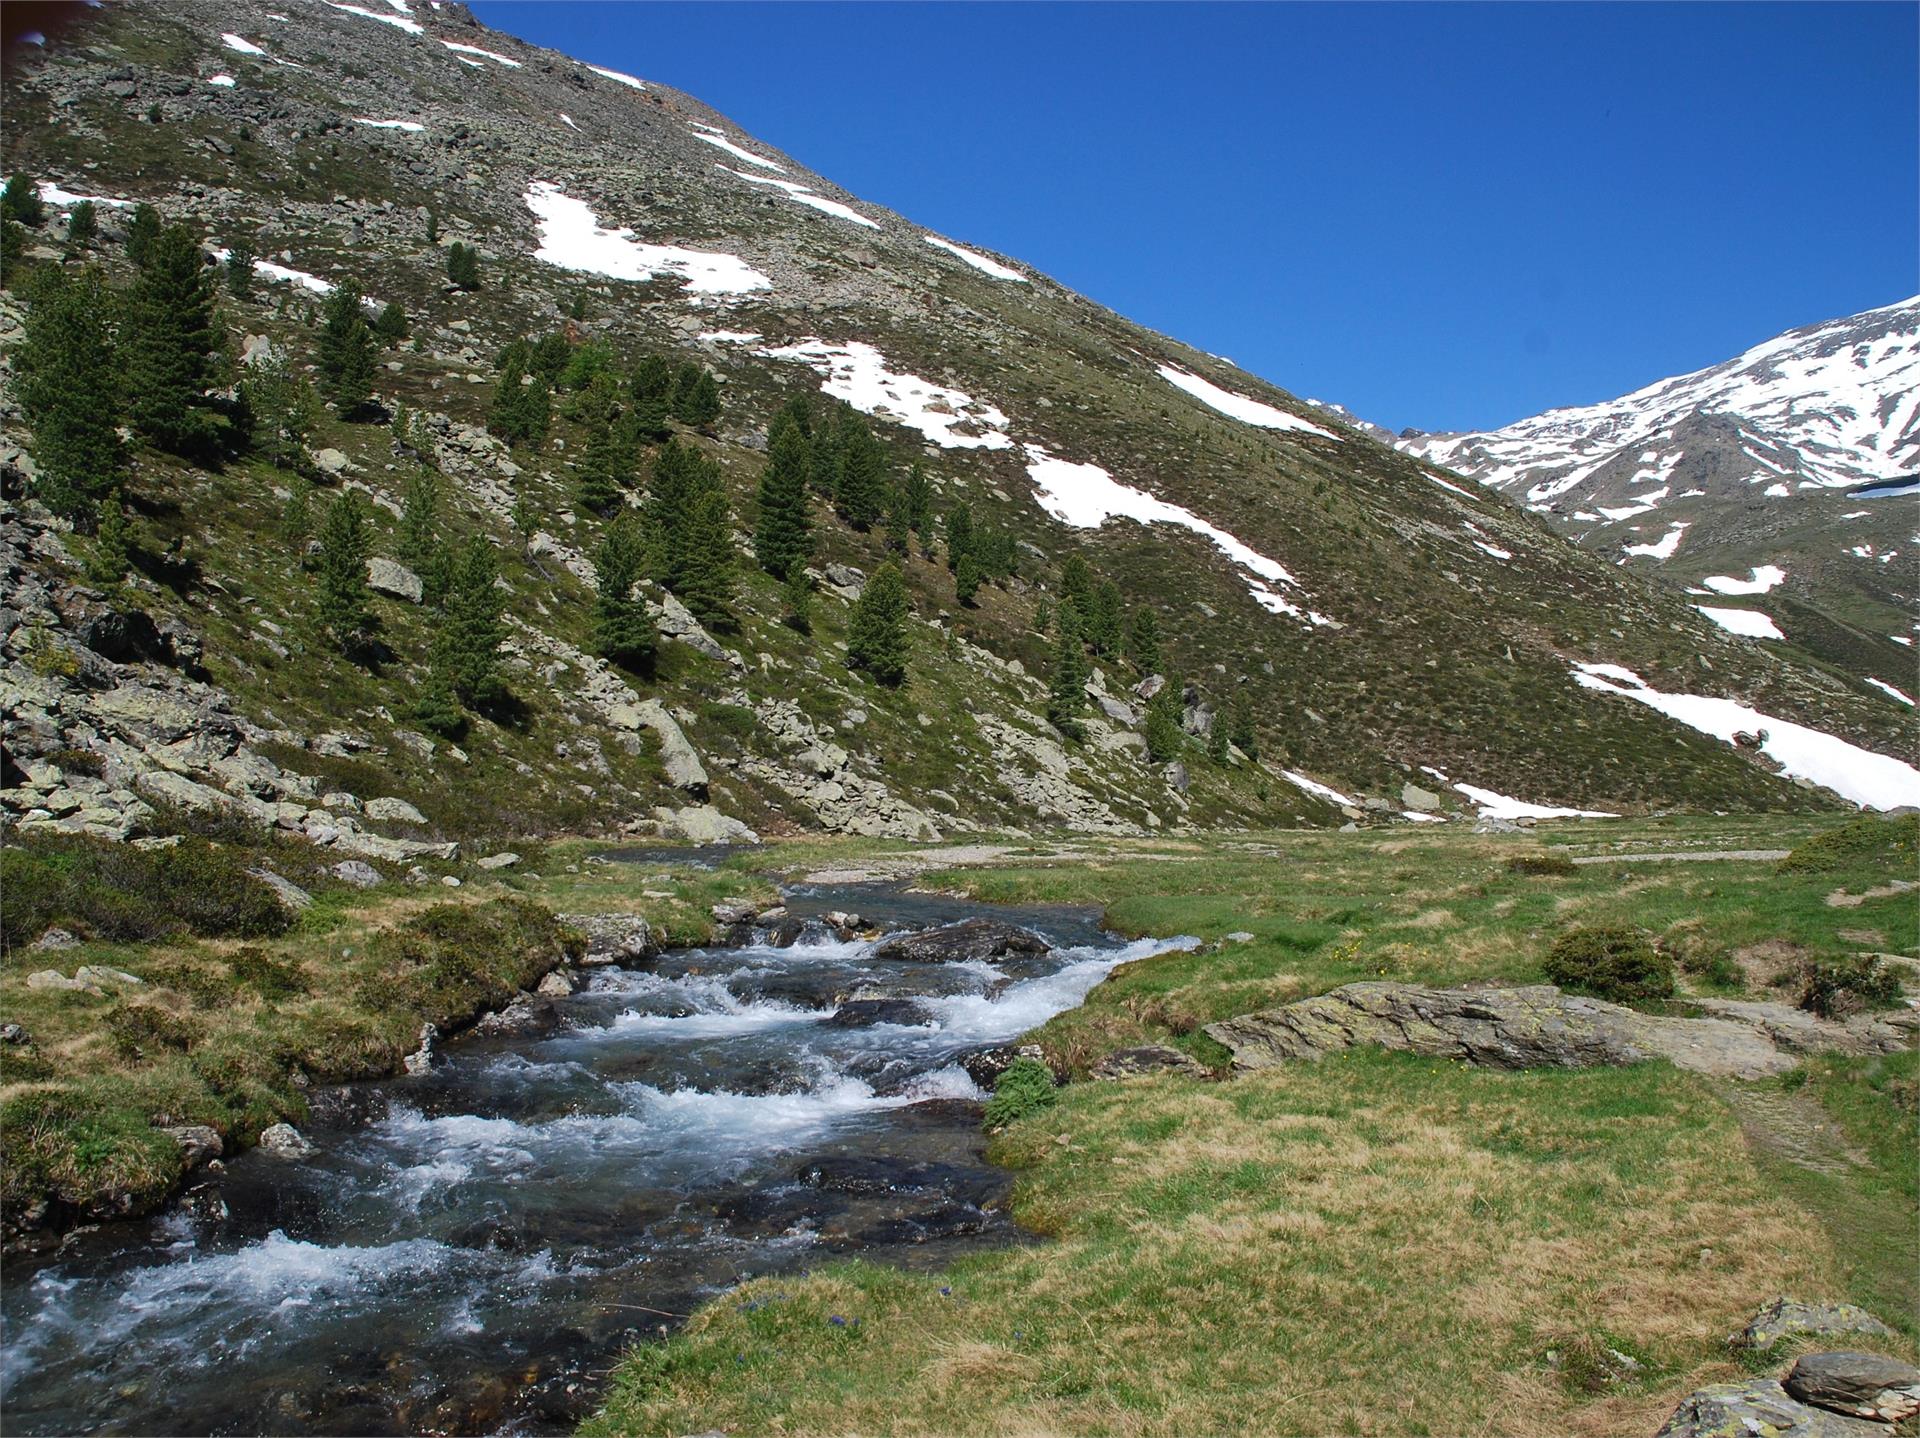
pixel 346 351
pixel 522 409
pixel 1217 739
pixel 390 325
pixel 587 364
pixel 1067 690
pixel 284 409
pixel 700 406
pixel 1164 735
pixel 916 496
pixel 468 645
pixel 345 604
pixel 20 202
pixel 1104 623
pixel 605 466
pixel 240 270
pixel 1239 721
pixel 296 518
pixel 862 495
pixel 1143 640
pixel 798 592
pixel 783 539
pixel 525 516
pixel 959 534
pixel 799 410
pixel 877 629
pixel 966 580
pixel 684 380
pixel 691 532
pixel 1042 617
pixel 437 709
pixel 419 532
pixel 623 631
pixel 142 230
pixel 650 400
pixel 110 560
pixel 13 254
pixel 550 357
pixel 82 226
pixel 463 266
pixel 69 388
pixel 1076 591
pixel 171 339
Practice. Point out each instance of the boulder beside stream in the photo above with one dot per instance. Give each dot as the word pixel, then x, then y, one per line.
pixel 987 940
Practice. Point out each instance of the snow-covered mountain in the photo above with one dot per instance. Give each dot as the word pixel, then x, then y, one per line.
pixel 1781 477
pixel 1830 406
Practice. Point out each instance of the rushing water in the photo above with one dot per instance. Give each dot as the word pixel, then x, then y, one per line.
pixel 469 1250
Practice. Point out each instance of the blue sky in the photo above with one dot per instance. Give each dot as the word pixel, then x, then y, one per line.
pixel 1445 216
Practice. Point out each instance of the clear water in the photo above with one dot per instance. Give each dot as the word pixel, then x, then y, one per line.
pixel 470 1250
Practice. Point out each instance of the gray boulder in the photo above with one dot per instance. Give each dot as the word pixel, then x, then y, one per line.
pixel 1861 1385
pixel 677 756
pixel 1421 801
pixel 1146 1061
pixel 394 811
pixel 556 985
pixel 614 938
pixel 358 873
pixel 331 461
pixel 497 861
pixel 1758 1408
pixel 54 979
pixel 704 824
pixel 283 1140
pixel 198 1143
pixel 988 940
pixel 385 576
pixel 863 1013
pixel 102 974
pixel 55 939
pixel 1782 1318
pixel 290 894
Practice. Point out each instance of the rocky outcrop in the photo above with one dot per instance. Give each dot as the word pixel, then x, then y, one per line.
pixel 981 940
pixel 864 1013
pixel 614 938
pixel 820 774
pixel 1148 1061
pixel 677 756
pixel 1782 1319
pixel 1536 1026
pixel 385 576
pixel 1860 1385
pixel 1759 1408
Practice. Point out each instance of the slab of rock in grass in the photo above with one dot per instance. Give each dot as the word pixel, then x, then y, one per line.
pixel 394 811
pixel 1534 1026
pixel 358 873
pixel 988 940
pixel 397 581
pixel 1759 1406
pixel 290 894
pixel 1782 1318
pixel 1861 1385
pixel 1146 1061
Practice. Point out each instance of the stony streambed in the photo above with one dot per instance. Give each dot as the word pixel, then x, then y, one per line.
pixel 468 1250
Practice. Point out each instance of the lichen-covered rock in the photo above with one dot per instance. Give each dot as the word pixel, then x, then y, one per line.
pixel 394 811
pixel 1147 1060
pixel 384 576
pixel 985 940
pixel 1758 1408
pixel 198 1143
pixel 283 1140
pixel 1861 1385
pixel 1782 1318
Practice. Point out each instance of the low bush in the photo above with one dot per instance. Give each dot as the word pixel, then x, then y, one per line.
pixel 1609 962
pixel 271 978
pixel 141 1033
pixel 1026 1087
pixel 1554 865
pixel 1839 988
pixel 1864 842
pixel 1705 960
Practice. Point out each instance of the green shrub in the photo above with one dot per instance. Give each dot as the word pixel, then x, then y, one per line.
pixel 1609 963
pixel 1838 988
pixel 1859 843
pixel 1026 1087
pixel 1557 865
pixel 113 891
pixel 144 1032
pixel 271 978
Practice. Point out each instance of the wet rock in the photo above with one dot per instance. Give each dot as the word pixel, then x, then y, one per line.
pixel 346 1106
pixel 283 1140
pixel 732 911
pixel 556 985
pixel 1860 1385
pixel 1782 1318
pixel 987 1065
pixel 528 1016
pixel 1757 1407
pixel 987 940
pixel 1148 1060
pixel 614 938
pixel 864 1013
pixel 420 1061
pixel 951 1221
pixel 198 1143
pixel 358 873
pixel 785 934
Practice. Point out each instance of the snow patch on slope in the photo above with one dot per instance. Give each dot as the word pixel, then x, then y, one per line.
pixel 858 374
pixel 716 137
pixel 1873 781
pixel 498 59
pixel 1663 548
pixel 1238 406
pixel 1886 688
pixel 1763 579
pixel 399 22
pixel 412 127
pixel 800 194
pixel 1500 806
pixel 571 238
pixel 618 78
pixel 979 261
pixel 1319 791
pixel 1748 623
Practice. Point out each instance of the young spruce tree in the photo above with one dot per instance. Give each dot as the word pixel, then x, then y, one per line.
pixel 171 340
pixel 68 381
pixel 623 631
pixel 346 351
pixel 877 629
pixel 1143 640
pixel 1164 735
pixel 783 539
pixel 345 607
pixel 1067 688
pixel 467 649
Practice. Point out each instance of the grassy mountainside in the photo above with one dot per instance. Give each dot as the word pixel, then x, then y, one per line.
pixel 1454 615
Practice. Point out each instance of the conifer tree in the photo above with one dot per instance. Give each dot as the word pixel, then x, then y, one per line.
pixel 110 559
pixel 1104 622
pixel 171 339
pixel 1143 640
pixel 240 270
pixel 522 406
pixel 966 580
pixel 419 532
pixel 799 410
pixel 69 387
pixel 1163 731
pixel 651 398
pixel 1067 689
pixel 468 645
pixel 684 380
pixel 296 518
pixel 587 364
pixel 437 709
pixel 1240 731
pixel 959 534
pixel 798 592
pixel 1217 739
pixel 623 631
pixel 1076 591
pixel 525 517
pixel 13 254
pixel 345 607
pixel 82 226
pixel 142 230
pixel 692 532
pixel 463 265
pixel 550 357
pixel 1042 617
pixel 346 351
pixel 877 629
pixel 862 495
pixel 916 497
pixel 284 409
pixel 20 202
pixel 390 325
pixel 783 539
pixel 605 466
pixel 699 403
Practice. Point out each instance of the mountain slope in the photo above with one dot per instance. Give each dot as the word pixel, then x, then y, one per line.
pixel 1385 622
pixel 1786 471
